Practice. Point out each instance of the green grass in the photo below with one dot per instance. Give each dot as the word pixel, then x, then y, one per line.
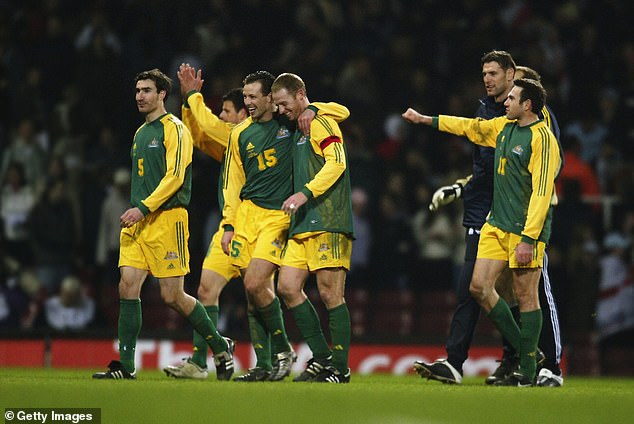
pixel 154 398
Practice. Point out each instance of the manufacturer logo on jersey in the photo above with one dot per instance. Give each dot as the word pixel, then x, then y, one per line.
pixel 283 132
pixel 250 146
pixel 518 150
pixel 313 221
pixel 170 256
pixel 153 143
pixel 323 258
pixel 277 243
pixel 303 139
pixel 171 266
pixel 323 247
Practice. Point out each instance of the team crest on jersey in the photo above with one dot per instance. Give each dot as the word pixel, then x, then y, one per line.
pixel 323 247
pixel 277 243
pixel 303 139
pixel 283 132
pixel 169 256
pixel 518 150
pixel 154 143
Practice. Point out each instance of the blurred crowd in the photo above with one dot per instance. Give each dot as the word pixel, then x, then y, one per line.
pixel 68 116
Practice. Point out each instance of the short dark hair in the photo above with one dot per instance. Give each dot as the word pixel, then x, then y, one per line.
pixel 532 90
pixel 236 97
pixel 529 73
pixel 291 82
pixel 264 77
pixel 162 81
pixel 503 58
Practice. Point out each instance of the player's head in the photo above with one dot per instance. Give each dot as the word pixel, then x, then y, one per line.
pixel 152 89
pixel 526 72
pixel 233 108
pixel 256 91
pixel 527 96
pixel 289 95
pixel 498 71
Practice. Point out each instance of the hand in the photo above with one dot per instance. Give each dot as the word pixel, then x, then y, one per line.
pixel 304 120
pixel 130 217
pixel 445 195
pixel 524 253
pixel 189 79
pixel 293 203
pixel 410 115
pixel 225 242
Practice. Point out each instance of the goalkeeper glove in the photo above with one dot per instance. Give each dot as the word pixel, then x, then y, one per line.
pixel 447 194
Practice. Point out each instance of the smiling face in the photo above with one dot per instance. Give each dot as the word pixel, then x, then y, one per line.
pixel 287 104
pixel 497 81
pixel 260 106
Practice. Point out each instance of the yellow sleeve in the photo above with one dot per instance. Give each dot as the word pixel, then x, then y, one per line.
pixel 333 110
pixel 178 155
pixel 326 139
pixel 211 133
pixel 234 176
pixel 479 131
pixel 543 166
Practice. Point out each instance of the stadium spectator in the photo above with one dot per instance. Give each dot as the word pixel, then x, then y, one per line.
pixel 17 200
pixel 70 310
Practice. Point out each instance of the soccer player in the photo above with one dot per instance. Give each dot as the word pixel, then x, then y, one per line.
pixel 210 134
pixel 258 178
pixel 477 190
pixel 527 160
pixel 155 229
pixel 320 235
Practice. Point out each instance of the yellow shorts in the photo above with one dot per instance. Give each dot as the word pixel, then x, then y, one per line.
pixel 158 243
pixel 259 233
pixel 217 261
pixel 499 244
pixel 318 250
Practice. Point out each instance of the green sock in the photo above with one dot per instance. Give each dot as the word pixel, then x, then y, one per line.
pixel 207 330
pixel 272 316
pixel 200 345
pixel 260 340
pixel 503 320
pixel 531 327
pixel 339 323
pixel 508 348
pixel 130 319
pixel 310 328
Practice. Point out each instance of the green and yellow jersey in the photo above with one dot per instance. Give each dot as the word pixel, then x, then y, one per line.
pixel 209 132
pixel 527 161
pixel 320 171
pixel 258 162
pixel 161 165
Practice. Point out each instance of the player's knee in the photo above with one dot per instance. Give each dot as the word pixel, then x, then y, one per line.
pixel 477 289
pixel 331 298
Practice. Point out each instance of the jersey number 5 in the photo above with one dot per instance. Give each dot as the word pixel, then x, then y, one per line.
pixel 139 165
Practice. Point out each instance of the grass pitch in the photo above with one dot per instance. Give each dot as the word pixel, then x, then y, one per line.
pixel 154 398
